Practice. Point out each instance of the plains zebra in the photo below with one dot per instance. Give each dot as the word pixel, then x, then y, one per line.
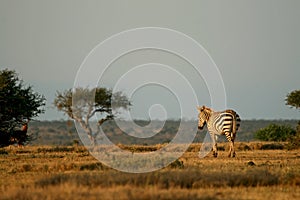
pixel 219 123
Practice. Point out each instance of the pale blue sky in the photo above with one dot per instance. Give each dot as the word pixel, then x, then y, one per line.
pixel 254 43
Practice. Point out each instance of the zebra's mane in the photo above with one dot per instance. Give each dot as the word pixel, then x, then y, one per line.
pixel 206 109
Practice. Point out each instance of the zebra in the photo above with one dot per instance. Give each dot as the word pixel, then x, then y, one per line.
pixel 219 123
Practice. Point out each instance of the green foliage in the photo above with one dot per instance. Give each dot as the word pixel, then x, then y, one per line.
pixel 18 104
pixel 275 132
pixel 294 141
pixel 293 99
pixel 63 102
pixel 85 102
pixel 81 104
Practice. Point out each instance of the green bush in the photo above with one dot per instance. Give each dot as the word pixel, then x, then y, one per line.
pixel 294 141
pixel 274 132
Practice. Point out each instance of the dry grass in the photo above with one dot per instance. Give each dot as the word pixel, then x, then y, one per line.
pixel 72 173
pixel 128 192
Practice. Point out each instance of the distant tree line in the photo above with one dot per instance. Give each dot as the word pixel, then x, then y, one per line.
pixel 65 133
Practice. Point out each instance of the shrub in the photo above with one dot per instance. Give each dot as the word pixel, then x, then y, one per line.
pixel 275 132
pixel 294 142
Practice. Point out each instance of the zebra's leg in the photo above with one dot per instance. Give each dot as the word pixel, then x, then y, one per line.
pixel 215 150
pixel 231 144
pixel 232 153
pixel 233 150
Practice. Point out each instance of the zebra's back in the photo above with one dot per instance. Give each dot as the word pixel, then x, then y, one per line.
pixel 225 121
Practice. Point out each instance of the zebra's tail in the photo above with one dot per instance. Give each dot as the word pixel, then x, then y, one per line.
pixel 236 123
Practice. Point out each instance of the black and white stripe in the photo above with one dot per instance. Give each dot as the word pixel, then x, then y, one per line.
pixel 220 123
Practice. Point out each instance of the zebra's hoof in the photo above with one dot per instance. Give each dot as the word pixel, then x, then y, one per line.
pixel 215 155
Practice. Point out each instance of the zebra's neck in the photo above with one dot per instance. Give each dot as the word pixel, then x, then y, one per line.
pixel 208 114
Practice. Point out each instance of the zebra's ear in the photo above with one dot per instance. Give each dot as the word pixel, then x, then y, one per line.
pixel 199 108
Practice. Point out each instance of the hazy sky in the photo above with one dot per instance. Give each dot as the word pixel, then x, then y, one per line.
pixel 254 43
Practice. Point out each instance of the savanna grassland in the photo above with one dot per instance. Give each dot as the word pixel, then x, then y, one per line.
pixel 260 171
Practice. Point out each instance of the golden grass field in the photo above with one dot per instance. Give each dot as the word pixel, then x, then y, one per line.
pixel 48 172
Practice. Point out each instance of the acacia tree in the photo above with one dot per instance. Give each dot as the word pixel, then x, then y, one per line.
pixel 81 104
pixel 18 105
pixel 293 99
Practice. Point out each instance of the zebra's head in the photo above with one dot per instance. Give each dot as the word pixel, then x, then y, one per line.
pixel 204 114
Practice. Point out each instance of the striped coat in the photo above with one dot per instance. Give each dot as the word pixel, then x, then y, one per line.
pixel 220 123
